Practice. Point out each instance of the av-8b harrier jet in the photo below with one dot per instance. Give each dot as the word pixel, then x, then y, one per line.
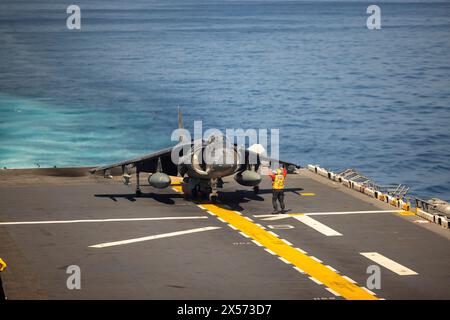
pixel 201 163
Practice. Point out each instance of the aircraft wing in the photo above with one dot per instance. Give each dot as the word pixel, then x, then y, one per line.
pixel 290 167
pixel 146 163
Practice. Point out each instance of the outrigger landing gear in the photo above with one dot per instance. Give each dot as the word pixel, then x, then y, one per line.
pixel 256 189
pixel 138 187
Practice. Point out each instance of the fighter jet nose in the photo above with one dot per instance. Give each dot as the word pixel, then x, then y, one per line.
pixel 217 170
pixel 212 161
pixel 221 166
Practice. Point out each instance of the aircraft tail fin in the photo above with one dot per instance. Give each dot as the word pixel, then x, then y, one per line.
pixel 180 123
pixel 180 119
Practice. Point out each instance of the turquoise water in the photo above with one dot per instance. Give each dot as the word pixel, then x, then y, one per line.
pixel 341 95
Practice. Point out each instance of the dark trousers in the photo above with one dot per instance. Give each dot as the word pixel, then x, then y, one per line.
pixel 278 195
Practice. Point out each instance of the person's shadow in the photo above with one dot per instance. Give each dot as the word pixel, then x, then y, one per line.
pixel 234 199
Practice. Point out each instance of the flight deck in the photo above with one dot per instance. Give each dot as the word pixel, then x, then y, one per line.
pixel 161 246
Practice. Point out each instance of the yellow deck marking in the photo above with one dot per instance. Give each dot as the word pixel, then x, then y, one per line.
pixel 2 265
pixel 176 183
pixel 407 213
pixel 300 260
pixel 307 194
pixel 295 256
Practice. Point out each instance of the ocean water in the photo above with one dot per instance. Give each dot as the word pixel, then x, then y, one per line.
pixel 342 96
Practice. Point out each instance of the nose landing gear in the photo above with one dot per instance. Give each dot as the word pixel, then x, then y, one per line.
pixel 213 197
pixel 199 189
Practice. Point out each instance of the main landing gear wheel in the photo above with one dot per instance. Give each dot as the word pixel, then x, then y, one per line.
pixel 196 193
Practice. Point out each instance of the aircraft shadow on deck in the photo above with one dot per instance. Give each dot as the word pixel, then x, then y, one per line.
pixel 232 199
pixel 165 198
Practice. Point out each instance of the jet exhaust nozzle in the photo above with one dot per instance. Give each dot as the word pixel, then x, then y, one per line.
pixel 159 180
pixel 248 178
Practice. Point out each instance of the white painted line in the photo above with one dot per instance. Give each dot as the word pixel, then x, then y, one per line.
pixel 238 213
pixel 210 213
pixel 333 292
pixel 220 219
pixel 299 270
pixel 284 260
pixel 371 292
pixel 302 251
pixel 287 242
pixel 257 243
pixel 201 207
pixel 388 263
pixel 349 212
pixel 331 268
pixel 101 220
pixel 157 236
pixel 174 189
pixel 349 279
pixel 323 213
pixel 270 251
pixel 421 221
pixel 261 226
pixel 316 281
pixel 276 218
pixel 273 233
pixel 280 226
pixel 243 234
pixel 248 218
pixel 232 227
pixel 316 225
pixel 314 258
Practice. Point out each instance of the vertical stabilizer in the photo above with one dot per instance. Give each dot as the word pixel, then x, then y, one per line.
pixel 180 123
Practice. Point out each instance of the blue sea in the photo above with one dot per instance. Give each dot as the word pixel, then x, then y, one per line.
pixel 342 96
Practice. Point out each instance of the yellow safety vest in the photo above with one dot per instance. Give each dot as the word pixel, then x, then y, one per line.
pixel 278 182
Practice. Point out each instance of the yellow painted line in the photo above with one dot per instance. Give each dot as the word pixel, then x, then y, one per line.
pixel 176 183
pixel 295 256
pixel 2 265
pixel 307 194
pixel 176 179
pixel 407 213
pixel 315 269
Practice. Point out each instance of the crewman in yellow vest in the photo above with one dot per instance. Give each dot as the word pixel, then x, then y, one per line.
pixel 278 178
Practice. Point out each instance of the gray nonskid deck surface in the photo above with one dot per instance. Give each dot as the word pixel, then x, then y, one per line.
pixel 212 264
